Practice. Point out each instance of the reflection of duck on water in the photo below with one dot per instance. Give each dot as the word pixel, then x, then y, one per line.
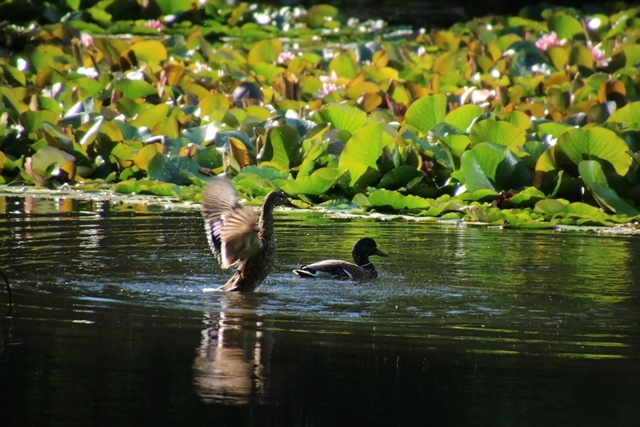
pixel 232 355
pixel 235 237
pixel 339 269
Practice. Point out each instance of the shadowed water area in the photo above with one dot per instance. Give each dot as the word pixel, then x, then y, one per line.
pixel 464 326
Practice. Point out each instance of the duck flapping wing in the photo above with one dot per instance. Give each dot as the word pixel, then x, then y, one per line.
pixel 231 228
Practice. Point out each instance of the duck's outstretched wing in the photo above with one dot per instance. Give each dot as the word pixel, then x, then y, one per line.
pixel 231 228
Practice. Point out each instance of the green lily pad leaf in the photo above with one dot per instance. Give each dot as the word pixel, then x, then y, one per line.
pixel 48 160
pixel 517 118
pixel 581 55
pixel 398 177
pixel 319 14
pixel 503 133
pixel 565 26
pixel 150 51
pixel 595 179
pixel 598 144
pixel 145 155
pixel 151 116
pixel 176 169
pixel 316 184
pixel 171 7
pixel 530 225
pixel 200 134
pixel 631 55
pixel 630 113
pixel 312 155
pixel 427 112
pixel 559 56
pixel 209 157
pixel 11 101
pixel 99 15
pixel 31 120
pixel 134 88
pixel 362 152
pixel 525 198
pixel 343 117
pixel 56 137
pixel 463 116
pixel 265 173
pixel 264 51
pixel 492 166
pixel 447 63
pixel 343 65
pixel 15 74
pixel 584 210
pixel 551 207
pixel 552 128
pixel 124 153
pixel 128 187
pixel 46 55
pixel 457 143
pixel 6 164
pixel 397 201
pixel 281 146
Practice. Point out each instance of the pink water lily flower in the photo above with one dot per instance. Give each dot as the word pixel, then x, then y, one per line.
pixel 327 88
pixel 86 40
pixel 599 57
pixel 153 23
pixel 329 79
pixel 285 56
pixel 329 85
pixel 547 41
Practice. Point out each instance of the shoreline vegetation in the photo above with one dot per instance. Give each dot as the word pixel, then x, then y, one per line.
pixel 528 121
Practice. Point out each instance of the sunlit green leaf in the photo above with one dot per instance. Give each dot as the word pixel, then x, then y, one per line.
pixel 427 112
pixel 134 88
pixel 264 51
pixel 595 179
pixel 150 51
pixel 598 144
pixel 281 146
pixel 499 132
pixel 362 152
pixel 630 113
pixel 463 116
pixel 343 117
pixel 316 184
pixel 492 166
pixel 397 201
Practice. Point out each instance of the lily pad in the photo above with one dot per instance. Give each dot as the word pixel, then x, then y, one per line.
pixel 594 177
pixel 427 112
pixel 492 166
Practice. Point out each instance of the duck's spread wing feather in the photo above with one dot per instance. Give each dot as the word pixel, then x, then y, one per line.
pixel 231 229
pixel 239 236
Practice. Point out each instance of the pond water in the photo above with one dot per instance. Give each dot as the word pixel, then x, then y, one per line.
pixel 110 324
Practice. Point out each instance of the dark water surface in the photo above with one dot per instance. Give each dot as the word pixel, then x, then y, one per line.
pixel 465 326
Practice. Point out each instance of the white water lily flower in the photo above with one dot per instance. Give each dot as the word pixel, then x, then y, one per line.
pixel 22 65
pixel 88 71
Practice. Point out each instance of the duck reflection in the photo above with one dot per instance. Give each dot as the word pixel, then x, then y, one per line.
pixel 232 359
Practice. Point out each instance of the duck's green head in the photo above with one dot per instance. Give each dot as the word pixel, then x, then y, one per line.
pixel 366 247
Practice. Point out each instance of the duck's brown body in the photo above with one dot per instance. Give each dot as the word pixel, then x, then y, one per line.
pixel 235 237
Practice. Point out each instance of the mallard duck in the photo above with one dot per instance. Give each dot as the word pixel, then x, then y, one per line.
pixel 236 239
pixel 338 269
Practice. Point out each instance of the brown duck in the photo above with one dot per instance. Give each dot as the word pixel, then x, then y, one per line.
pixel 236 238
pixel 338 269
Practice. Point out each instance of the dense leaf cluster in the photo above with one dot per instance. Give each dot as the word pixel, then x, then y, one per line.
pixel 518 121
